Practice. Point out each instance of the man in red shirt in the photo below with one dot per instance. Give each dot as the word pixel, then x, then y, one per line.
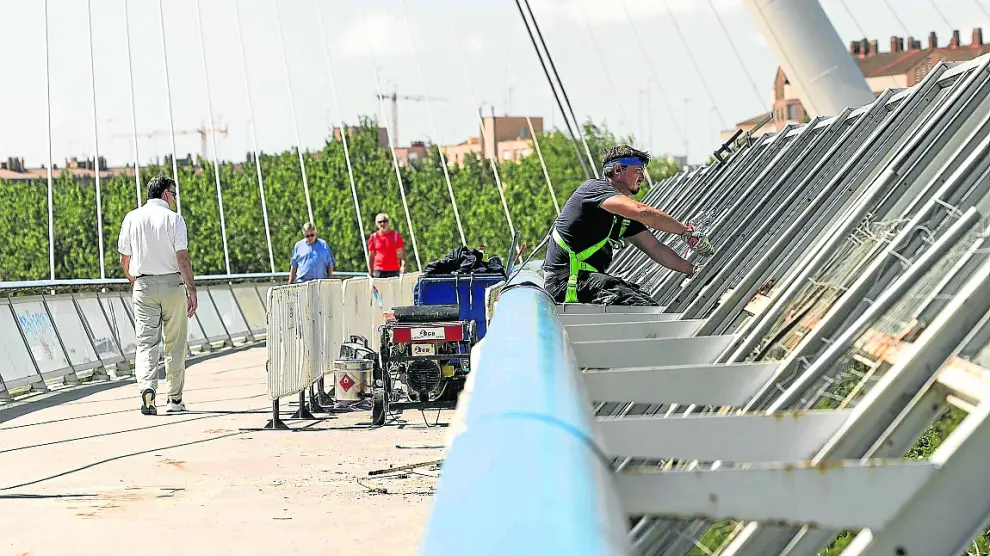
pixel 386 250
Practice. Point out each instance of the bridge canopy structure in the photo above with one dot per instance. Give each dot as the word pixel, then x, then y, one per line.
pixel 771 404
pixel 781 401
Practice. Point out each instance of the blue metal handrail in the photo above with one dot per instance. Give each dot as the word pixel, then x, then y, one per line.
pixel 527 475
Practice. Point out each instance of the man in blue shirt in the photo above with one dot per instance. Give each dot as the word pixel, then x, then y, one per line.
pixel 312 258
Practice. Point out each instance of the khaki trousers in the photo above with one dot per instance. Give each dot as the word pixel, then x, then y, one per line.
pixel 160 310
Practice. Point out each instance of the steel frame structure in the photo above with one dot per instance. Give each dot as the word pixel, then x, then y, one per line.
pixel 712 414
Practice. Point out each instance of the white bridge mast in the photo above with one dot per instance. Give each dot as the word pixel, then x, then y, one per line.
pixel 813 56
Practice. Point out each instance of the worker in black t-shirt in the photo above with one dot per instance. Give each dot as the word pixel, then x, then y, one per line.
pixel 602 212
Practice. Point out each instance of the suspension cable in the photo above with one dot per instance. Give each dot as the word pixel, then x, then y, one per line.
pixel 347 159
pixel 543 165
pixel 742 64
pixel 940 13
pixel 436 133
pixel 608 77
pixel 388 129
pixel 213 137
pixel 859 27
pixel 656 78
pixel 897 18
pixel 982 9
pixel 130 80
pixel 546 49
pixel 254 136
pixel 96 140
pixel 539 152
pixel 553 90
pixel 51 197
pixel 292 108
pixel 171 124
pixel 481 119
pixel 694 63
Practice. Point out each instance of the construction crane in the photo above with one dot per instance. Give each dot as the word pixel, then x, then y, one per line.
pixel 202 131
pixel 395 98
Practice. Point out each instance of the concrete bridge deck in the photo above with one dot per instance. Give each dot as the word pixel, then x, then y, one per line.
pixel 83 472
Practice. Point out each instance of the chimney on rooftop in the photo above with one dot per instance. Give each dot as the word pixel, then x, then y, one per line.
pixel 854 47
pixel 977 37
pixel 874 46
pixel 896 44
pixel 864 48
pixel 932 41
pixel 954 43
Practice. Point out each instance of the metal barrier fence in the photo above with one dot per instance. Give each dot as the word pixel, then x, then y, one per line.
pixel 768 405
pixel 47 337
pixel 309 322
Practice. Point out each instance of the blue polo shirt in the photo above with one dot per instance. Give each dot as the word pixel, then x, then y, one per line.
pixel 311 261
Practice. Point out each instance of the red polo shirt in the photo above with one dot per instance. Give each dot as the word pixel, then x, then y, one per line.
pixel 386 246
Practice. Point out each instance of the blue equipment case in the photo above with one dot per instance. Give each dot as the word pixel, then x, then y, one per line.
pixel 467 291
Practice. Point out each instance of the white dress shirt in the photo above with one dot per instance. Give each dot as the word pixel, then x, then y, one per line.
pixel 150 236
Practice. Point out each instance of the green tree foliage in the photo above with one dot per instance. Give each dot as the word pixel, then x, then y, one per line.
pixel 24 208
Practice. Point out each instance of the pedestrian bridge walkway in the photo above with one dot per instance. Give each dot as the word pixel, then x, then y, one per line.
pixel 83 472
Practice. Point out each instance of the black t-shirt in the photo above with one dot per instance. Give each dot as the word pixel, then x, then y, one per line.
pixel 583 222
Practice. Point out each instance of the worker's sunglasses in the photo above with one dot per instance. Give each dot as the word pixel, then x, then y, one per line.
pixel 310 235
pixel 385 221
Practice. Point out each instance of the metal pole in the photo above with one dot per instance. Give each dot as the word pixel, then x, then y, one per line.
pixel 392 132
pixel 96 142
pixel 51 209
pixel 553 89
pixel 553 67
pixel 436 132
pixel 350 173
pixel 130 81
pixel 481 121
pixel 213 138
pixel 254 136
pixel 292 107
pixel 168 96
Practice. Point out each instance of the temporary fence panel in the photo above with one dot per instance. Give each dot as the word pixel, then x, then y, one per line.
pixel 390 290
pixel 289 342
pixel 69 326
pixel 39 333
pixel 328 320
pixel 100 331
pixel 251 307
pixel 359 308
pixel 230 314
pixel 16 365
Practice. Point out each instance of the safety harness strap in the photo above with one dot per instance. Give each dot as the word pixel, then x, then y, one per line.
pixel 577 260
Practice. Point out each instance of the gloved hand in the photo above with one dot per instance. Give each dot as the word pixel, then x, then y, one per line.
pixel 698 242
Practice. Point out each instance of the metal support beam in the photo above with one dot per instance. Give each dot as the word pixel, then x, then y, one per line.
pixel 717 385
pixel 650 353
pixel 847 495
pixel 784 436
pixel 633 330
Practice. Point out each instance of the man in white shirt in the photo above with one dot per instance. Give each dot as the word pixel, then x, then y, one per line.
pixel 155 257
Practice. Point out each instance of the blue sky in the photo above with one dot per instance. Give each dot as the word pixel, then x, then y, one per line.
pixel 502 69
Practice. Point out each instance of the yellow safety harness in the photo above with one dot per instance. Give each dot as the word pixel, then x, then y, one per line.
pixel 577 259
